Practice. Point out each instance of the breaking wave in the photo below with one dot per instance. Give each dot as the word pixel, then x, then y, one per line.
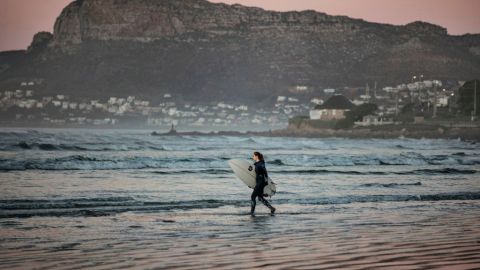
pixel 409 172
pixel 81 147
pixel 113 205
pixel 391 185
pixel 88 162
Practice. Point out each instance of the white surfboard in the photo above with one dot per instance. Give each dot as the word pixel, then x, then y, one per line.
pixel 245 171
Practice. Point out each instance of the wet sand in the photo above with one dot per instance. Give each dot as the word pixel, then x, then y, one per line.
pixel 386 235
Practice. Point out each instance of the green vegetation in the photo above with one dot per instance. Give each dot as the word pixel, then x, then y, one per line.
pixel 406 114
pixel 359 112
pixel 352 116
pixel 297 121
pixel 356 114
pixel 466 97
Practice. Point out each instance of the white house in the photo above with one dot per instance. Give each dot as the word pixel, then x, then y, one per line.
pixel 290 99
pixel 281 98
pixel 333 109
pixel 329 91
pixel 317 101
pixel 18 93
pixel 373 120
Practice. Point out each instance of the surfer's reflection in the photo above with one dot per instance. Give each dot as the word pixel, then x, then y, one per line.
pixel 261 182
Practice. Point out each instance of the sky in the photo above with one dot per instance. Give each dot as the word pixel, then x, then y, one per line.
pixel 21 19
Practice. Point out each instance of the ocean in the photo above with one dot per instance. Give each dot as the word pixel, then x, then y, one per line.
pixel 112 199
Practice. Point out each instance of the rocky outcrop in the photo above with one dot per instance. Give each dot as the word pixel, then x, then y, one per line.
pixel 40 41
pixel 424 28
pixel 197 49
pixel 381 132
pixel 145 20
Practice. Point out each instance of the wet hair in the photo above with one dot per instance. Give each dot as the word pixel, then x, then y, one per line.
pixel 259 155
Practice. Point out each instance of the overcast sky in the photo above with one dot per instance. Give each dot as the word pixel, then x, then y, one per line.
pixel 21 19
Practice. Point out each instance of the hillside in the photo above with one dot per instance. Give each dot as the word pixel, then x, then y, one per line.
pixel 200 51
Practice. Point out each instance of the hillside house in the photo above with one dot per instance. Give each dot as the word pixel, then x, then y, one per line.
pixel 333 109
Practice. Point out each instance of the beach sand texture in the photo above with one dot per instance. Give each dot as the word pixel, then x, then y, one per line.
pixel 357 236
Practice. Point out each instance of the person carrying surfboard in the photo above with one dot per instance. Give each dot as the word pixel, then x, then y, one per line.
pixel 261 182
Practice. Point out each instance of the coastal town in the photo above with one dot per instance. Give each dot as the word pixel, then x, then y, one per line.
pixel 417 101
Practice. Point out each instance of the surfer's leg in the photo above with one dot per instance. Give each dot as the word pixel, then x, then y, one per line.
pixel 257 192
pixel 253 202
pixel 266 203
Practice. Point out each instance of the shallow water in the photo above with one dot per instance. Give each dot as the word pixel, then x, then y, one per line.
pixel 124 199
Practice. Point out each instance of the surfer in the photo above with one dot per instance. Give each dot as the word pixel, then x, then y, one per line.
pixel 261 182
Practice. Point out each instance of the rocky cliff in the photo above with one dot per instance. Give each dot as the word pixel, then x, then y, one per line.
pixel 199 50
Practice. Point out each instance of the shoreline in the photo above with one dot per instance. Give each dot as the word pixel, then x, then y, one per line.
pixel 354 237
pixel 374 132
pixel 413 132
pixel 466 134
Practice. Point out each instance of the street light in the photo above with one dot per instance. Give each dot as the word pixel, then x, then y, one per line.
pixel 435 84
pixel 474 113
pixel 450 102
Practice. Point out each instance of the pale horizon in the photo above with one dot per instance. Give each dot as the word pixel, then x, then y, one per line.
pixel 21 19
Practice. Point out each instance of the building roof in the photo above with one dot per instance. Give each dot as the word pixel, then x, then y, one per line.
pixel 336 102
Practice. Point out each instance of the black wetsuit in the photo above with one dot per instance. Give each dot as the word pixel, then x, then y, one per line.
pixel 261 180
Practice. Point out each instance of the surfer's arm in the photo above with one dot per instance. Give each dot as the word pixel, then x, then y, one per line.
pixel 258 170
pixel 264 172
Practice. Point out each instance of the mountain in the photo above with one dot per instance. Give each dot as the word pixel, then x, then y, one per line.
pixel 201 51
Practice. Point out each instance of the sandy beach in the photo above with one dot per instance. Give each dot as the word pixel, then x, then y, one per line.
pixel 310 237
